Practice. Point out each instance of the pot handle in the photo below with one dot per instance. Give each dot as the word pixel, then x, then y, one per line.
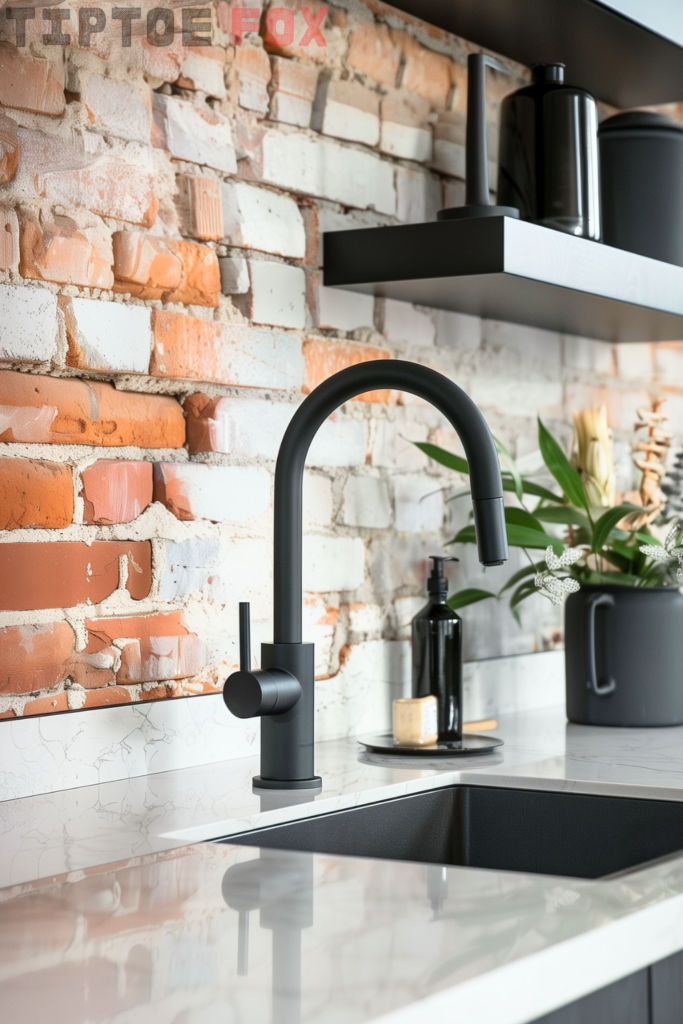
pixel 595 601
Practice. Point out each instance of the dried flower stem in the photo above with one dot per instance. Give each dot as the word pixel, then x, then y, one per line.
pixel 655 447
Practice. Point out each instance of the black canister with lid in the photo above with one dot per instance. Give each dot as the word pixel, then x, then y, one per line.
pixel 437 653
pixel 641 172
pixel 548 154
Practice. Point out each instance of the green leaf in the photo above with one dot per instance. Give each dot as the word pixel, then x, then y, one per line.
pixel 518 537
pixel 608 520
pixel 528 570
pixel 448 459
pixel 514 472
pixel 469 596
pixel 561 468
pixel 525 537
pixel 529 487
pixel 520 517
pixel 563 514
pixel 622 578
pixel 522 592
pixel 647 538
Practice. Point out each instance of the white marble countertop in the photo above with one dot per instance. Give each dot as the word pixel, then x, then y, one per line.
pixel 112 902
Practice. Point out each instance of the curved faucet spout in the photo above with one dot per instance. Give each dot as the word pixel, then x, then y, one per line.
pixel 448 398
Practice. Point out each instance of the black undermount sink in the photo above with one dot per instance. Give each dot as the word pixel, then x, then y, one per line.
pixel 505 829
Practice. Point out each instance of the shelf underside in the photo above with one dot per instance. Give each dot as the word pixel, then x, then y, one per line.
pixel 508 270
pixel 626 52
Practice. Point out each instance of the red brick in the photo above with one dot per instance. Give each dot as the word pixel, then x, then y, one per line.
pixel 115 492
pixel 426 73
pixel 30 84
pixel 9 149
pixel 157 647
pixel 46 705
pixel 207 350
pixel 199 206
pixel 62 574
pixel 375 50
pixel 324 357
pixel 48 410
pixel 106 696
pixel 67 255
pixel 253 72
pixel 293 89
pixel 34 657
pixel 66 172
pixel 34 493
pixel 165 268
pixel 9 239
pixel 313 51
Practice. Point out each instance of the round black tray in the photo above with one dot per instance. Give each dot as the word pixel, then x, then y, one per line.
pixel 471 743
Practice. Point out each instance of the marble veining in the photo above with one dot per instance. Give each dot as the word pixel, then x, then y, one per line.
pixel 55 752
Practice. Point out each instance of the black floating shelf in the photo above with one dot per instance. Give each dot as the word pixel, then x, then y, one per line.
pixel 510 270
pixel 626 52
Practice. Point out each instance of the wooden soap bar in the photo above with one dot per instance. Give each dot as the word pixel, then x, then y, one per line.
pixel 415 721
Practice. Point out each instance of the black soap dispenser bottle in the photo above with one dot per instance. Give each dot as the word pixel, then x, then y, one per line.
pixel 437 653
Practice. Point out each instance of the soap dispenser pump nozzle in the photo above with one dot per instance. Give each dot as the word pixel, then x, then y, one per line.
pixel 437 582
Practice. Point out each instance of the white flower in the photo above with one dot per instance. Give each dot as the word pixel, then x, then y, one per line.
pixel 655 551
pixel 554 588
pixel 567 558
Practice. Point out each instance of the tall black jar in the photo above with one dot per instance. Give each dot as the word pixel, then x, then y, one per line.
pixel 548 154
pixel 641 176
pixel 624 656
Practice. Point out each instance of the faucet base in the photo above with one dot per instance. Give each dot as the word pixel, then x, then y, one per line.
pixel 260 783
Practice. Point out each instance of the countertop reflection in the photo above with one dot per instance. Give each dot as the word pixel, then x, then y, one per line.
pixel 216 934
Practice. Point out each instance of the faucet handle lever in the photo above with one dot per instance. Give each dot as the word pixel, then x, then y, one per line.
pixel 245 637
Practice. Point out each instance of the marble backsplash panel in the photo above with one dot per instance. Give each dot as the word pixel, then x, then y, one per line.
pixel 49 753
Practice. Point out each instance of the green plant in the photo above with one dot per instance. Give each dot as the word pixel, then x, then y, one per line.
pixel 599 546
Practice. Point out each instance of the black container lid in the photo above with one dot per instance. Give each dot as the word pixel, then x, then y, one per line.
pixel 639 120
pixel 548 73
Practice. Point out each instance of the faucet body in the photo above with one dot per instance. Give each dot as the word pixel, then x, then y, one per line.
pixel 287 735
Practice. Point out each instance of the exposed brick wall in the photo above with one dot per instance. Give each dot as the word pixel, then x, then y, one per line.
pixel 162 313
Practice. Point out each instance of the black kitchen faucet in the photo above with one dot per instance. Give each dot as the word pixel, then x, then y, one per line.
pixel 281 693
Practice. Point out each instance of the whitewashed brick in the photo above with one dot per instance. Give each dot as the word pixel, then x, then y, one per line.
pixel 392 448
pixel 219 493
pixel 418 195
pixel 332 563
pixel 110 335
pixel 234 275
pixel 256 218
pixel 203 73
pixel 344 311
pixel 586 354
pixel 318 625
pixel 317 500
pixel 323 168
pixel 346 110
pixel 254 428
pixel 457 330
pixel 28 324
pixel 366 503
pixel 405 610
pixel 531 342
pixel 365 621
pixel 406 128
pixel 294 87
pixel 404 323
pixel 454 193
pixel 196 134
pixel 117 107
pixel 341 441
pixel 187 566
pixel 277 294
pixel 635 361
pixel 419 505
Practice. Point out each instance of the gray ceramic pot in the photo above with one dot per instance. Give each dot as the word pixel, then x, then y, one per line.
pixel 624 656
